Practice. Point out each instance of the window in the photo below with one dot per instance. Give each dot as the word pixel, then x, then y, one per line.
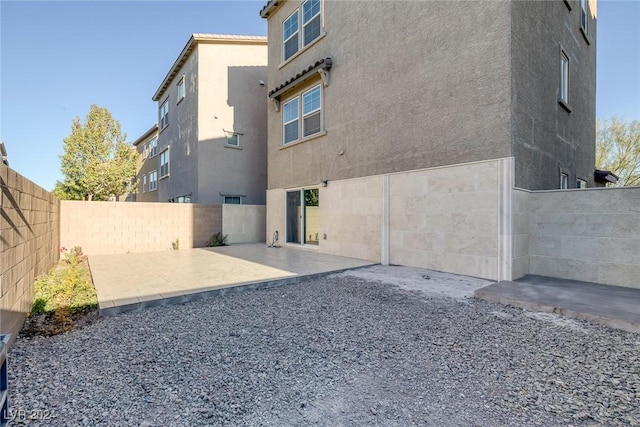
pixel 153 181
pixel 564 77
pixel 153 147
pixel 164 163
pixel 164 114
pixel 581 183
pixel 180 90
pixel 310 26
pixel 232 200
pixel 144 151
pixel 233 140
pixel 184 199
pixel 584 16
pixel 564 181
pixel 144 183
pixel 311 113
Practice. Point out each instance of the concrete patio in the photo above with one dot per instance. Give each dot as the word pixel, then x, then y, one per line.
pixel 127 282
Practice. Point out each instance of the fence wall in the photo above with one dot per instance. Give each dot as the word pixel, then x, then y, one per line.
pixel 589 234
pixel 29 242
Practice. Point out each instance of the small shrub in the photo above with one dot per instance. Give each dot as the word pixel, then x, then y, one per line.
pixel 218 239
pixel 72 257
pixel 175 245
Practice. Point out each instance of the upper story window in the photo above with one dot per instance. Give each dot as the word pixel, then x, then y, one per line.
pixel 308 107
pixel 584 15
pixel 180 87
pixel 144 183
pixel 564 77
pixel 153 147
pixel 310 26
pixel 153 180
pixel 581 183
pixel 164 163
pixel 164 114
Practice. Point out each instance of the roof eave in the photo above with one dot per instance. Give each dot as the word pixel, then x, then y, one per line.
pixel 269 7
pixel 146 135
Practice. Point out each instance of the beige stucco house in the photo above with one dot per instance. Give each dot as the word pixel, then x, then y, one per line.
pixel 212 127
pixel 401 132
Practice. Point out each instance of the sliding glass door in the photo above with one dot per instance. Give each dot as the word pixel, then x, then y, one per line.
pixel 302 216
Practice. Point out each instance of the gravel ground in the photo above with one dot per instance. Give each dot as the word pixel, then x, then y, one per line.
pixel 338 351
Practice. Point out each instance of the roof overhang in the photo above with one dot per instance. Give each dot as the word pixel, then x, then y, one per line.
pixel 321 67
pixel 146 135
pixel 194 40
pixel 605 177
pixel 270 7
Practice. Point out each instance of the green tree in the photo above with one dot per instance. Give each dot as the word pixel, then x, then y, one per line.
pixel 618 149
pixel 97 163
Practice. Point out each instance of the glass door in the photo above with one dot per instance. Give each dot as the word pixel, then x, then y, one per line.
pixel 302 217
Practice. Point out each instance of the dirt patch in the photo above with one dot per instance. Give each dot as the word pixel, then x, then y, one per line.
pixel 47 325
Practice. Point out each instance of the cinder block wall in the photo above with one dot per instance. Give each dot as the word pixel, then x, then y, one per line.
pixel 117 227
pixel 590 234
pixel 29 243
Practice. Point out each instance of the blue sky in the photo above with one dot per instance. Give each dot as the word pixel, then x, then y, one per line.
pixel 58 58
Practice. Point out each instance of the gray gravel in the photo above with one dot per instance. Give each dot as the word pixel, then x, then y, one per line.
pixel 336 351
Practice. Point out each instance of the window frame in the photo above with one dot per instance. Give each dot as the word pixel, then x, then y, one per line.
pixel 180 90
pixel 237 138
pixel 144 183
pixel 300 30
pixel 153 179
pixel 164 155
pixel 564 181
pixel 584 16
pixel 301 115
pixel 224 200
pixel 153 148
pixel 565 78
pixel 580 182
pixel 164 115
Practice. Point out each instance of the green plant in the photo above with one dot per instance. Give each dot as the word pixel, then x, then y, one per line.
pixel 175 245
pixel 64 291
pixel 72 256
pixel 218 239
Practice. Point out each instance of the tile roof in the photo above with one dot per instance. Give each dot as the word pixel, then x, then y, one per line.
pixel 271 4
pixel 324 64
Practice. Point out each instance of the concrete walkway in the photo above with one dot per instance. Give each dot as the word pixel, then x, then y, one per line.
pixel 613 306
pixel 126 282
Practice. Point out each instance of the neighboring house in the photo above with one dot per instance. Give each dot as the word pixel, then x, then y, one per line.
pixel 379 108
pixel 212 122
pixel 147 176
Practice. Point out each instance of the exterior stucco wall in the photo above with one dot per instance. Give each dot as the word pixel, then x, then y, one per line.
pixel 115 227
pixel 181 135
pixel 398 100
pixel 232 99
pixel 29 244
pixel 590 235
pixel 244 223
pixel 446 219
pixel 546 137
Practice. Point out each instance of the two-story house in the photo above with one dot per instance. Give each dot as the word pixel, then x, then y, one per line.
pixel 397 130
pixel 212 129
